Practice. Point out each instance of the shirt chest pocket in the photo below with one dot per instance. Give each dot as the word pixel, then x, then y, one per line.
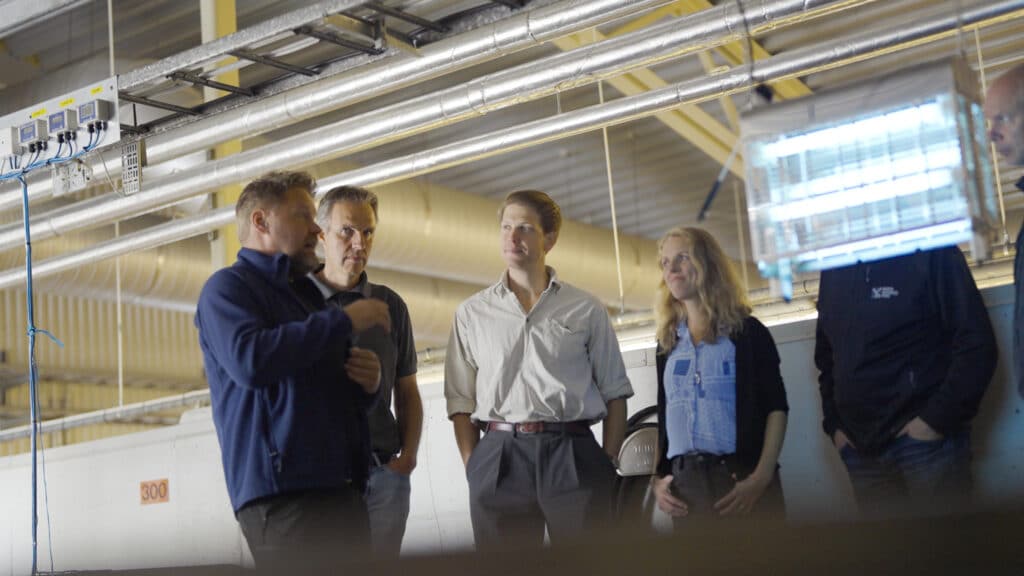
pixel 561 339
pixel 679 385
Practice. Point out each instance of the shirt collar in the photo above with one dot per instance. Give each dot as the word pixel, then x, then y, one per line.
pixel 276 267
pixel 362 287
pixel 554 283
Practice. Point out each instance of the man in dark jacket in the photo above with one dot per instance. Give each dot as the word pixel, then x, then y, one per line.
pixel 906 351
pixel 1004 109
pixel 293 437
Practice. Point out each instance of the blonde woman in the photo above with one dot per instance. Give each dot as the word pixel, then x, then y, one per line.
pixel 721 401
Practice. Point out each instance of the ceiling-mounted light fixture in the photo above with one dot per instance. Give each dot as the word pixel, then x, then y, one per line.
pixel 874 170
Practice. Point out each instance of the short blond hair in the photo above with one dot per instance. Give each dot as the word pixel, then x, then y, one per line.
pixel 546 208
pixel 267 192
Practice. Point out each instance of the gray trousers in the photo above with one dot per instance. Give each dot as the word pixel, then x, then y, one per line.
pixel 306 530
pixel 518 483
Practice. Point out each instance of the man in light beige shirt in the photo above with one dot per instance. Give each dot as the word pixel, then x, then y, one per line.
pixel 534 362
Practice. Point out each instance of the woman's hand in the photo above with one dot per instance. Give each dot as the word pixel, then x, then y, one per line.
pixel 743 496
pixel 668 503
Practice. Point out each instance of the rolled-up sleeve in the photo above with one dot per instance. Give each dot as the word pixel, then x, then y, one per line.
pixel 459 371
pixel 609 371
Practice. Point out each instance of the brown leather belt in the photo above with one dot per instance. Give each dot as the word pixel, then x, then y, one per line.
pixel 538 427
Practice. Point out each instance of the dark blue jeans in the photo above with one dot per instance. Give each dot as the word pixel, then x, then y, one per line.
pixel 912 477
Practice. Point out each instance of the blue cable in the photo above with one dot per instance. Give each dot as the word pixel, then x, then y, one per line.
pixel 32 383
pixel 33 373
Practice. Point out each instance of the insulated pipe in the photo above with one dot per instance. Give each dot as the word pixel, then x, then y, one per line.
pixel 532 80
pixel 167 278
pixel 401 70
pixel 799 62
pixel 423 230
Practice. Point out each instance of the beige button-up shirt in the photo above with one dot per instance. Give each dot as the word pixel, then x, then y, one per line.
pixel 558 363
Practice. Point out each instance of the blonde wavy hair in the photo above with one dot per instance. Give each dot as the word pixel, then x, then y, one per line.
pixel 722 297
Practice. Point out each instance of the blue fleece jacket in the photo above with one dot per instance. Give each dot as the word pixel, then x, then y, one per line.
pixel 287 417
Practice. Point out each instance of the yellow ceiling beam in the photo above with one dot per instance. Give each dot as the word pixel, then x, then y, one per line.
pixel 726 101
pixel 689 121
pixel 735 54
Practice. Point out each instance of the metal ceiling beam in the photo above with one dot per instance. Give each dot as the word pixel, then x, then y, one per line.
pixel 192 58
pixel 689 121
pixel 407 17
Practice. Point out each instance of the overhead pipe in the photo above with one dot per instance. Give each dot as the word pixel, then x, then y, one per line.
pixel 645 47
pixel 796 63
pixel 167 278
pixel 410 212
pixel 401 70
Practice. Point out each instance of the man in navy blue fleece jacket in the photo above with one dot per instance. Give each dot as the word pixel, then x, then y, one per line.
pixel 293 434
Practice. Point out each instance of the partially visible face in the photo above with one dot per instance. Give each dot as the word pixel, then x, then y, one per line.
pixel 292 229
pixel 677 269
pixel 349 237
pixel 1006 120
pixel 523 241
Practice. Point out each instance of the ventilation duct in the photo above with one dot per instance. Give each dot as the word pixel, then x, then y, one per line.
pixel 427 230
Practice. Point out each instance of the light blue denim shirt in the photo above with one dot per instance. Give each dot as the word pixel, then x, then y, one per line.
pixel 700 396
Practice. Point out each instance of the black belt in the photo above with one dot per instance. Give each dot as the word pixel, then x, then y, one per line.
pixel 577 428
pixel 706 459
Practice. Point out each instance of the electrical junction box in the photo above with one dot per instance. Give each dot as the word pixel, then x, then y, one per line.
pixel 9 145
pixel 64 121
pixel 878 169
pixel 93 111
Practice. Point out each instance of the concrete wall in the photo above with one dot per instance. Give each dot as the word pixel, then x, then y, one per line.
pixel 98 521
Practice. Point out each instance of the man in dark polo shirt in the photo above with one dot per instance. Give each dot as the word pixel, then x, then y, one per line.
pixel 348 217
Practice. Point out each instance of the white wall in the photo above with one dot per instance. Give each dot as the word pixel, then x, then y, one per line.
pixel 98 522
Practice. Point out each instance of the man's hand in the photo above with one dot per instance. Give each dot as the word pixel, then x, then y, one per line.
pixel 840 440
pixel 403 464
pixel 744 495
pixel 363 367
pixel 668 503
pixel 367 313
pixel 920 430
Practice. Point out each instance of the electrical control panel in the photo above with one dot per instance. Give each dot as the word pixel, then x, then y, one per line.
pixel 63 122
pixel 61 128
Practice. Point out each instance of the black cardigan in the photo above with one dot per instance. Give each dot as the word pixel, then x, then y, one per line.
pixel 759 391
